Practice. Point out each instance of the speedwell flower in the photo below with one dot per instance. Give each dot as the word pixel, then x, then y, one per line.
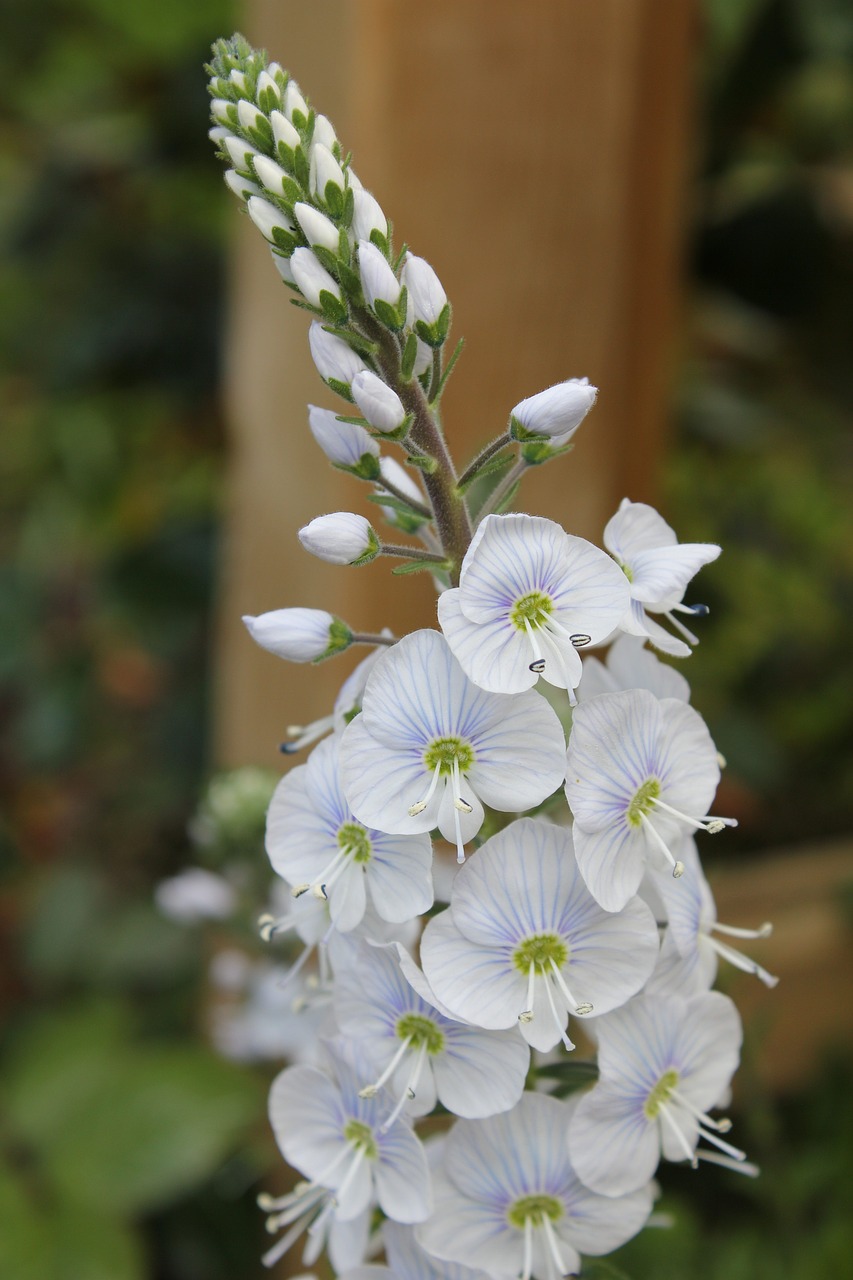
pixel 663 1063
pixel 641 773
pixel 529 596
pixel 525 942
pixel 658 568
pixel 630 665
pixel 510 1201
pixel 314 842
pixel 430 747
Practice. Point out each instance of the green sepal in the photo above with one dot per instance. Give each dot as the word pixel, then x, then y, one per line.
pixel 261 134
pixel 333 308
pixel 361 345
pixel 398 261
pixel 326 258
pixel 344 247
pixel 382 242
pixel 284 241
pixel 399 433
pixel 410 355
pixel 286 157
pixel 291 190
pixel 307 306
pixel 350 283
pixel 333 198
pixel 349 208
pixel 340 638
pixel 421 566
pixel 341 389
pixel 435 335
pixel 367 467
pixel 423 462
pixel 300 167
pixel 301 122
pixel 268 100
pixel 396 504
pixel 539 451
pixel 373 549
pixel 392 317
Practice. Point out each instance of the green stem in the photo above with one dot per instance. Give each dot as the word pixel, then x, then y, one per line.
pixel 435 379
pixel 419 507
pixel 502 490
pixel 411 553
pixel 367 637
pixel 483 457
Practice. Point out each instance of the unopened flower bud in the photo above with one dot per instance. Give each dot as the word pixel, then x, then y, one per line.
pixel 282 266
pixel 249 115
pixel 556 412
pixel 367 215
pixel 381 406
pixel 344 443
pixel 243 188
pixel 335 359
pixel 425 289
pixel 294 103
pixel 240 152
pixel 268 219
pixel 312 279
pixel 377 279
pixel 324 132
pixel 271 174
pixel 340 538
pixel 299 635
pixel 317 227
pixel 268 84
pixel 237 78
pixel 283 130
pixel 324 169
pixel 221 110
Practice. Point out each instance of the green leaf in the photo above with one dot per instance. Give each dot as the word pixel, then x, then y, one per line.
pixel 420 566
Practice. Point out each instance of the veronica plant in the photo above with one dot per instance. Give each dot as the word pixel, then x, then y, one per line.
pixel 582 902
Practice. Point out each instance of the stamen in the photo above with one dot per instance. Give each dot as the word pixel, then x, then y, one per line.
pixel 682 1141
pixel 563 1036
pixel 409 1091
pixel 734 1152
pixel 271 1257
pixel 527 1267
pixel 688 635
pixel 713 825
pixel 677 867
pixel 584 1006
pixel 579 640
pixel 763 931
pixel 304 735
pixel 553 1247
pixel 269 925
pixel 745 963
pixel 737 1166
pixel 695 610
pixel 721 1126
pixel 371 1090
pixel 526 1014
pixel 420 805
pixel 538 665
pixel 458 800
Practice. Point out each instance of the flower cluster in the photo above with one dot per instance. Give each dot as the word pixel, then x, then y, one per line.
pixel 575 904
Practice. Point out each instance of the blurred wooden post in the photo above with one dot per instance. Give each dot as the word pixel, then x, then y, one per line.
pixel 536 155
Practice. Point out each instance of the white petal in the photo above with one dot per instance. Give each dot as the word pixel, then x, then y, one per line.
pixel 519 744
pixel 448 815
pixel 473 1233
pixel 636 527
pixel 613 750
pixel 660 575
pixel 307 1117
pixel 614 1147
pixel 480 1072
pixel 348 898
pixel 478 984
pixel 611 862
pixel 399 876
pixel 402 1176
pixel 510 557
pixel 494 654
pixel 632 666
pixel 597 1224
pixel 687 763
pixel 382 782
pixel 636 622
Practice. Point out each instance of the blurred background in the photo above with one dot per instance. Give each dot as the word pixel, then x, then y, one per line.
pixel 690 170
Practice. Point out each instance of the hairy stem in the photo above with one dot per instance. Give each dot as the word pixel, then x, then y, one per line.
pixel 411 553
pixel 483 457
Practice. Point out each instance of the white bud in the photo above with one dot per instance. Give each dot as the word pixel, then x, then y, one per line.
pixel 340 538
pixel 354 181
pixel 299 635
pixel 265 81
pixel 377 279
pixel 249 115
pixel 381 406
pixel 425 289
pixel 294 101
pixel 283 130
pixel 275 69
pixel 391 471
pixel 195 895
pixel 267 218
pixel 271 174
pixel 367 215
pixel 324 169
pixel 241 187
pixel 333 357
pixel 311 278
pixel 237 77
pixel 218 134
pixel 344 443
pixel 282 266
pixel 240 152
pixel 558 411
pixel 317 227
pixel 324 132
pixel 220 109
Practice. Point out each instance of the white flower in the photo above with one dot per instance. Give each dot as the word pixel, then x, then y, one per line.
pixel 377 279
pixel 641 773
pixel 340 538
pixel 529 596
pixel 268 219
pixel 335 359
pixel 283 130
pixel 314 842
pixel 525 942
pixel 381 406
pixel 334 1137
pixel 243 188
pixel 346 444
pixel 383 1001
pixel 367 215
pixel 658 568
pixel 324 169
pixel 299 635
pixel 663 1063
pixel 630 665
pixel 509 1201
pixel 317 227
pixel 270 174
pixel 425 289
pixel 312 279
pixel 429 746
pixel 555 413
pixel 195 895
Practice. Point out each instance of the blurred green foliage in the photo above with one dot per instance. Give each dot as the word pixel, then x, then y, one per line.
pixel 127 1148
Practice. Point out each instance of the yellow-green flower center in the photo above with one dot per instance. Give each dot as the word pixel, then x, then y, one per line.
pixel 444 752
pixel 421 1031
pixel 361 1137
pixel 627 570
pixel 539 950
pixel 534 1209
pixel 661 1093
pixel 533 608
pixel 643 802
pixel 355 840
